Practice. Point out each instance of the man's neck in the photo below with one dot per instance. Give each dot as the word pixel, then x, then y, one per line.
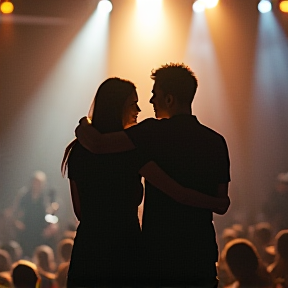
pixel 181 111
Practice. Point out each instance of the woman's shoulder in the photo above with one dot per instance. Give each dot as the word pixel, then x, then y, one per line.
pixel 79 154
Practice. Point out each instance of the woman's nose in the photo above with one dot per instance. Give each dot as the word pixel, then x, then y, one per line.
pixel 138 109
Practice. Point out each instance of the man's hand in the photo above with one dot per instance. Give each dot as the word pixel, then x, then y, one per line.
pixel 86 134
pixel 79 131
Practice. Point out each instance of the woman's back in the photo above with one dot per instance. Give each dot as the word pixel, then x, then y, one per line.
pixel 108 185
pixel 108 236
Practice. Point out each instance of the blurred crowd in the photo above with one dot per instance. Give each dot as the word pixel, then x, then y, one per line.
pixel 250 255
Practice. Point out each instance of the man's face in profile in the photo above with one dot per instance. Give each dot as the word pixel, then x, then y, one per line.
pixel 158 102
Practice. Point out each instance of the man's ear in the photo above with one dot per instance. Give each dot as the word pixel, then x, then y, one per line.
pixel 169 100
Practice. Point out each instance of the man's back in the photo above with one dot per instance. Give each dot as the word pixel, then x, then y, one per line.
pixel 180 240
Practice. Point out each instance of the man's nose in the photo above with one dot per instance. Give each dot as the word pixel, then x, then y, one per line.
pixel 138 109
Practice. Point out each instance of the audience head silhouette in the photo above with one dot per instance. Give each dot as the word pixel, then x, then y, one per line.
pixel 25 275
pixel 5 261
pixel 282 244
pixel 5 280
pixel 14 249
pixel 245 264
pixel 263 233
pixel 65 247
pixel 44 258
pixel 242 258
pixel 38 183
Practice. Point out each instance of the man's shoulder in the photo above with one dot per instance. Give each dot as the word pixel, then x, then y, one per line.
pixel 212 132
pixel 209 131
pixel 148 124
pixel 150 121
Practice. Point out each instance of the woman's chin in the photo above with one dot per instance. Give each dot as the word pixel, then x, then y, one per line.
pixel 128 125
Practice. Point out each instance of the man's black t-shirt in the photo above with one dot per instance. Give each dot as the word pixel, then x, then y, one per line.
pixel 180 239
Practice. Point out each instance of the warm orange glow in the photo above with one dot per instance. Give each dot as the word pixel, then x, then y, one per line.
pixel 7 7
pixel 210 3
pixel 284 6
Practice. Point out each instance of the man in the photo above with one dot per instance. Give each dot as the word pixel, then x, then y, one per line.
pixel 180 244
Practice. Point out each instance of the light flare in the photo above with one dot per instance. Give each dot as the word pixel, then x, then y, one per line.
pixel 283 6
pixel 264 6
pixel 6 7
pixel 105 6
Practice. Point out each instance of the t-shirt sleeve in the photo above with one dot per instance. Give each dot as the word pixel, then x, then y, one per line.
pixel 224 162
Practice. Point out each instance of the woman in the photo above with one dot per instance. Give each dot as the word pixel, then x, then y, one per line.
pixel 108 187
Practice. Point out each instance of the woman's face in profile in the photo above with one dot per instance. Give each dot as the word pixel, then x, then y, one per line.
pixel 130 111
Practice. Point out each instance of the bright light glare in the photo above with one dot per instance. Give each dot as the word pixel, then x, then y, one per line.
pixel 284 6
pixel 149 6
pixel 210 3
pixel 53 219
pixel 7 7
pixel 105 6
pixel 198 6
pixel 149 12
pixel 264 6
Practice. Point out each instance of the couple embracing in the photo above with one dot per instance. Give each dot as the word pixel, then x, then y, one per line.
pixel 186 169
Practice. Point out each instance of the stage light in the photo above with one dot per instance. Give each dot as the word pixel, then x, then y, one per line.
pixel 283 6
pixel 7 7
pixel 149 6
pixel 198 6
pixel 210 3
pixel 105 6
pixel 149 13
pixel 264 6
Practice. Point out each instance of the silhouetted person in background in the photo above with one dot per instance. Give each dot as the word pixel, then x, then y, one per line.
pixel 180 244
pixel 275 209
pixel 31 210
pixel 64 250
pixel 279 269
pixel 14 249
pixel 262 239
pixel 45 262
pixel 61 275
pixel 5 261
pixel 245 264
pixel 25 275
pixel 6 280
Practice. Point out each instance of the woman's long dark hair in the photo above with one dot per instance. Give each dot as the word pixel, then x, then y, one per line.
pixel 108 108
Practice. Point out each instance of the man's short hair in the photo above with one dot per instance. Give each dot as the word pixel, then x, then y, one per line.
pixel 178 80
